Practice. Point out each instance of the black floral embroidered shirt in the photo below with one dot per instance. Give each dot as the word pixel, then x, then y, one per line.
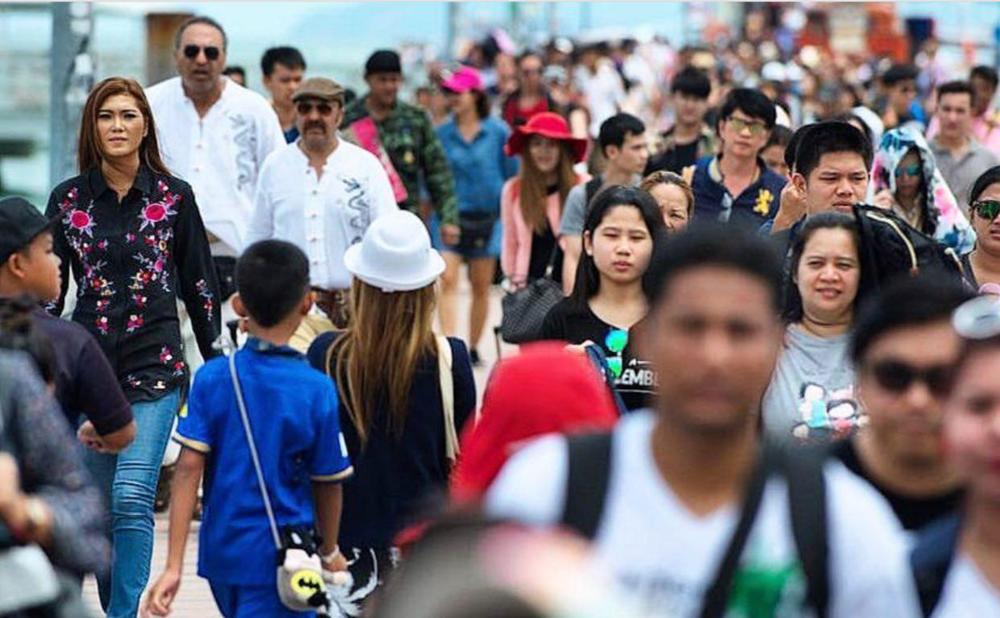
pixel 131 262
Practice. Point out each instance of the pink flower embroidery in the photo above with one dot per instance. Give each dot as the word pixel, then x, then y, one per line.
pixel 102 245
pixel 102 305
pixel 178 368
pixel 82 222
pixel 165 355
pixel 139 300
pixel 134 322
pixel 102 324
pixel 130 238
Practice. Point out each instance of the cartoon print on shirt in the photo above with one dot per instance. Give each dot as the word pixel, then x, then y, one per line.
pixel 827 415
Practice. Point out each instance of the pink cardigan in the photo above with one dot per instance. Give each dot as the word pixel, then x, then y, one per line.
pixel 515 252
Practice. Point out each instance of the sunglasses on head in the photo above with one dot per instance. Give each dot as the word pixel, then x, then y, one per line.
pixel 898 377
pixel 305 108
pixel 987 209
pixel 615 342
pixel 911 170
pixel 211 52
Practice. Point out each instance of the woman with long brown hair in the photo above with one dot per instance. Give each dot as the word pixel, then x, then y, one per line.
pixel 531 204
pixel 132 234
pixel 404 393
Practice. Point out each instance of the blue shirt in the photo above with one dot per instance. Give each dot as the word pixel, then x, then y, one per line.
pixel 293 414
pixel 756 204
pixel 479 167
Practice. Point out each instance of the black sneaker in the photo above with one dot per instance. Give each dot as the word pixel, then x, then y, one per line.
pixel 474 357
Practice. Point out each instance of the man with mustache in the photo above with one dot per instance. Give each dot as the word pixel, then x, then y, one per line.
pixel 320 192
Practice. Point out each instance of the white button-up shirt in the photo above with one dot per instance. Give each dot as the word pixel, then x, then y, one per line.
pixel 220 155
pixel 323 216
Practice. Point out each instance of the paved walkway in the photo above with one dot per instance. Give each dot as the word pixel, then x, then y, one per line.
pixel 195 599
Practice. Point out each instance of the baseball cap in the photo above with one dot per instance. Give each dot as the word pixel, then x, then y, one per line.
pixel 319 88
pixel 462 80
pixel 20 223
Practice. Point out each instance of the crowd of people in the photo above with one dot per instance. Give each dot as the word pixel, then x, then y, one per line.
pixel 758 292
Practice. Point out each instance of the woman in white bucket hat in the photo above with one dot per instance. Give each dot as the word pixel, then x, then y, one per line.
pixel 404 393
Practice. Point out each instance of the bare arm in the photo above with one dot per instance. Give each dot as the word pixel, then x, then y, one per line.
pixel 329 500
pixel 571 246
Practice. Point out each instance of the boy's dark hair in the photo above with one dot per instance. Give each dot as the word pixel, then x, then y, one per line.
pixel 288 56
pixel 904 302
pixel 200 19
pixel 985 73
pixel 792 148
pixel 780 136
pixel 987 178
pixel 588 278
pixel 714 244
pixel 793 310
pixel 615 129
pixel 827 137
pixel 272 276
pixel 899 73
pixel 750 102
pixel 692 82
pixel 235 69
pixel 955 87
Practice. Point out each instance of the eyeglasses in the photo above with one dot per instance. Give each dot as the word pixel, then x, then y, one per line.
pixel 304 108
pixel 987 209
pixel 912 170
pixel 211 52
pixel 756 127
pixel 615 342
pixel 898 377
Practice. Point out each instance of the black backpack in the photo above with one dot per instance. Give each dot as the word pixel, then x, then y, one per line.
pixel 587 486
pixel 890 247
pixel 932 557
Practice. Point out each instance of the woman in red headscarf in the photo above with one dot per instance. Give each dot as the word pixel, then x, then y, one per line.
pixel 531 204
pixel 545 389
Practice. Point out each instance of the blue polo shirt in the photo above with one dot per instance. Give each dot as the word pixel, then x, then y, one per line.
pixel 479 167
pixel 756 204
pixel 294 417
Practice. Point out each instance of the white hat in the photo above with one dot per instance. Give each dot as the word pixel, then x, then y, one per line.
pixel 395 254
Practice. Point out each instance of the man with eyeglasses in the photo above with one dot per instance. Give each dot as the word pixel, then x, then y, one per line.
pixel 736 186
pixel 904 348
pixel 214 134
pixel 320 193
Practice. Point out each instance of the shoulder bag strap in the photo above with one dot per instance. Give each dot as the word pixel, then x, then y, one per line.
pixel 253 451
pixel 717 595
pixel 451 448
pixel 587 479
pixel 803 471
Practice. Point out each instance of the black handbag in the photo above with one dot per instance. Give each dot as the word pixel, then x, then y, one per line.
pixel 477 229
pixel 524 310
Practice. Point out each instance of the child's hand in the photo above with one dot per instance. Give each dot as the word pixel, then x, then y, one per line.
pixel 162 594
pixel 339 563
pixel 89 437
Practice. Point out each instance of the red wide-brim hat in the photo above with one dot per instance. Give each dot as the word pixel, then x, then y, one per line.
pixel 550 125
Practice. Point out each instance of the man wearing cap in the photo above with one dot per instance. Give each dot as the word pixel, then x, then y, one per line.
pixel 83 379
pixel 320 193
pixel 402 138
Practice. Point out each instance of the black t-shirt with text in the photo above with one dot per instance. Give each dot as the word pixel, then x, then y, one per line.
pixel 913 513
pixel 575 324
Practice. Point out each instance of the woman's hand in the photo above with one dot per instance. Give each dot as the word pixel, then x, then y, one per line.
pixel 162 594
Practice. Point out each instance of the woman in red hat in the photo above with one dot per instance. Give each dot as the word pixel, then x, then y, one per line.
pixel 531 204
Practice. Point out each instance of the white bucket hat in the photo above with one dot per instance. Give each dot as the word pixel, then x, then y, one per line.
pixel 395 254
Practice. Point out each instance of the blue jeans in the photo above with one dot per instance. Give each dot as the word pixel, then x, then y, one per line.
pixel 128 481
pixel 251 602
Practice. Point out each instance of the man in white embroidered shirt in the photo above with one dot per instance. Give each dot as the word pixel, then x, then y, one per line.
pixel 320 193
pixel 214 134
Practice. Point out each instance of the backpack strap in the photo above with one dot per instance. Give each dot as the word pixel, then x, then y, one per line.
pixel 589 473
pixel 803 470
pixel 447 384
pixel 590 190
pixel 931 560
pixel 717 594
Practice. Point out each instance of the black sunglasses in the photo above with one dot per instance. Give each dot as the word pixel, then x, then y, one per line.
pixel 304 108
pixel 898 377
pixel 987 209
pixel 211 52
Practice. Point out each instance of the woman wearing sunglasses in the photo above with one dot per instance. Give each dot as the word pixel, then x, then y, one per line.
pixel 982 264
pixel 811 395
pixel 608 302
pixel 957 561
pixel 905 179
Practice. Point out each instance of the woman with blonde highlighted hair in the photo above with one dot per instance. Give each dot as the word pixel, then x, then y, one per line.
pixel 404 393
pixel 673 195
pixel 133 237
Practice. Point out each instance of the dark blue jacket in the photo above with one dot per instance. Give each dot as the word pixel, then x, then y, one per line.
pixel 755 205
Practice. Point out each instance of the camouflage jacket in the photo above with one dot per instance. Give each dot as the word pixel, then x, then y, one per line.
pixel 408 137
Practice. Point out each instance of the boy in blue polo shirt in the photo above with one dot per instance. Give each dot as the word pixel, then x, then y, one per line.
pixel 293 414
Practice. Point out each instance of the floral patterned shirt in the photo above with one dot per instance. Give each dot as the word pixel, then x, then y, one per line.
pixel 131 262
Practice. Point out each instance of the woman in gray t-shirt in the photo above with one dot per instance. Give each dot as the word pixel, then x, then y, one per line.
pixel 811 396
